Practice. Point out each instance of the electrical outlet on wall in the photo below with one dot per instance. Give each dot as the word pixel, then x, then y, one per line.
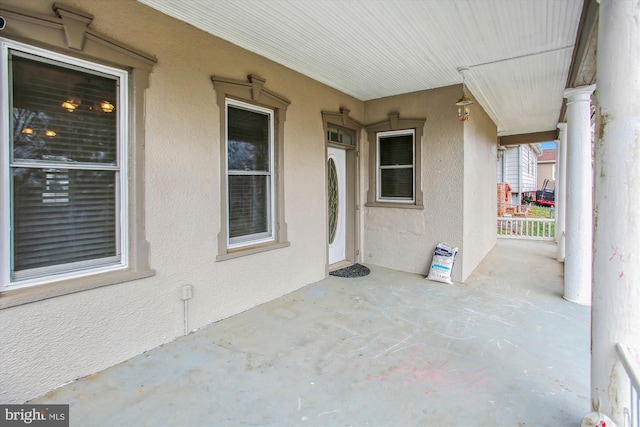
pixel 187 292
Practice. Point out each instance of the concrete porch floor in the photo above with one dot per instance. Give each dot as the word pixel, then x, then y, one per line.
pixel 389 349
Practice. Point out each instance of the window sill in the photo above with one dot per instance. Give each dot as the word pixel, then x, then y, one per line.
pixel 394 205
pixel 16 297
pixel 250 250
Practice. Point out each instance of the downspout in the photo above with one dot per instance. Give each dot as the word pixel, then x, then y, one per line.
pixel 519 174
pixel 504 167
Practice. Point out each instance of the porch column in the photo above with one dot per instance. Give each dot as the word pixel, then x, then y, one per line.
pixel 560 198
pixel 616 256
pixel 579 196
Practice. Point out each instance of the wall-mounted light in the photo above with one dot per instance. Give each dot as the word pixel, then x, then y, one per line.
pixel 27 131
pixel 50 133
pixel 464 103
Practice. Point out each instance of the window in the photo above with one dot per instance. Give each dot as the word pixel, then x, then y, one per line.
pixel 339 135
pixel 395 166
pixel 249 174
pixel 65 168
pixel 395 160
pixel 71 199
pixel 252 148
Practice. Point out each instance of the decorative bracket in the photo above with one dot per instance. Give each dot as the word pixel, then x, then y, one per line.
pixel 393 120
pixel 75 24
pixel 257 83
pixel 345 115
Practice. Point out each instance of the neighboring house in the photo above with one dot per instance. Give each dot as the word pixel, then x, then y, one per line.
pixel 517 166
pixel 546 167
pixel 148 172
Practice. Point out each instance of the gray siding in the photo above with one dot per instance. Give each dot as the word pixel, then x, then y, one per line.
pixel 524 157
pixel 529 162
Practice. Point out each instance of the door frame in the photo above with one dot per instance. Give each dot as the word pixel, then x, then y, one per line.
pixel 342 120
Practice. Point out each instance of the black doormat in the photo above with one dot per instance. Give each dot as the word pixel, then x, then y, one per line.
pixel 355 270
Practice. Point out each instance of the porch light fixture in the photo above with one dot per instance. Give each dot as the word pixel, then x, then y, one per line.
pixel 50 133
pixel 27 131
pixel 464 103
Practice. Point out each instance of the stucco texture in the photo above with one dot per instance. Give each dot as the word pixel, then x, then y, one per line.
pixel 458 181
pixel 54 341
pixel 48 343
pixel 480 151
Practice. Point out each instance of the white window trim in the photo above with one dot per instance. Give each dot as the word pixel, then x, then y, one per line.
pixel 253 91
pixel 379 168
pixel 66 30
pixel 395 123
pixel 253 239
pixel 72 270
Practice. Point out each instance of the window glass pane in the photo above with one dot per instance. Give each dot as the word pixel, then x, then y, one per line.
pixel 62 216
pixel 339 135
pixel 248 205
pixel 396 183
pixel 396 150
pixel 248 140
pixel 61 114
pixel 345 138
pixel 333 134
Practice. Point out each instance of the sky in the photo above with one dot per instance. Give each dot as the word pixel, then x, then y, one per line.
pixel 547 145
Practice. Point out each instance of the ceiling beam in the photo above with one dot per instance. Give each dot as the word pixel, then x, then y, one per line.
pixel 528 138
pixel 584 48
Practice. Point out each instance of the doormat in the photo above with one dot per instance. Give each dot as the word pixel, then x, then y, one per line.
pixel 355 270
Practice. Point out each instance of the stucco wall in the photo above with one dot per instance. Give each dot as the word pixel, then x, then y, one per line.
pixel 404 239
pixel 480 153
pixel 458 180
pixel 48 343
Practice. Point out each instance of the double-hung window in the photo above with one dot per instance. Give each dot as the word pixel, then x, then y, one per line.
pixel 64 177
pixel 395 157
pixel 396 160
pixel 252 167
pixel 72 193
pixel 249 174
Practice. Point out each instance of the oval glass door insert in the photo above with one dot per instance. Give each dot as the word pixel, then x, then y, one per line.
pixel 333 200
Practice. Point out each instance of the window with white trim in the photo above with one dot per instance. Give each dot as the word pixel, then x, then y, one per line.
pixel 396 160
pixel 249 174
pixel 252 167
pixel 72 194
pixel 64 167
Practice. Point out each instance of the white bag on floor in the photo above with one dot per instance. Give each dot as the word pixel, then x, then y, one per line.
pixel 442 263
pixel 597 419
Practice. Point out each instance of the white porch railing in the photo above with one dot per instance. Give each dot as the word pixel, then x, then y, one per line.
pixel 631 415
pixel 526 228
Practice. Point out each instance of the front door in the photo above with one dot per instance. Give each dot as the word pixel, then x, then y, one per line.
pixel 337 204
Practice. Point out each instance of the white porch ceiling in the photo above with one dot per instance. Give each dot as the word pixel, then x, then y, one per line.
pixel 518 51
